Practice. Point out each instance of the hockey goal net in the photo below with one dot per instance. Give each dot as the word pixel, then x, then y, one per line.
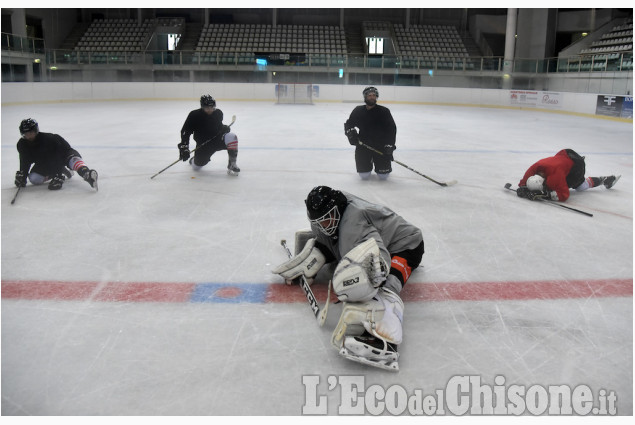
pixel 295 93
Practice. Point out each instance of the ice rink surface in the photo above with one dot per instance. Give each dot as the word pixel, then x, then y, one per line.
pixel 156 297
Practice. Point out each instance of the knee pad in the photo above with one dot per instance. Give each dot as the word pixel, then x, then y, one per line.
pixel 381 316
pixel 360 272
pixel 36 178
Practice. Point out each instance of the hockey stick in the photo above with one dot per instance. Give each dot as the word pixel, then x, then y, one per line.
pixel 444 184
pixel 509 185
pixel 16 195
pixel 321 317
pixel 197 148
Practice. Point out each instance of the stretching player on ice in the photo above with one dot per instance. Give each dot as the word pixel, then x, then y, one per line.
pixel 377 129
pixel 53 159
pixel 211 136
pixel 550 178
pixel 376 251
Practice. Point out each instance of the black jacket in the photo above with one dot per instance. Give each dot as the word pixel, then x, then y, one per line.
pixel 205 127
pixel 376 125
pixel 50 152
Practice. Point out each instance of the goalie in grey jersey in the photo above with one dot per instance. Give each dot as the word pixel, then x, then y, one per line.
pixel 376 250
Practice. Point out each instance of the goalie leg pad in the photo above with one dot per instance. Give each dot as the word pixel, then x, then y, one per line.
pixel 381 317
pixel 308 262
pixel 360 272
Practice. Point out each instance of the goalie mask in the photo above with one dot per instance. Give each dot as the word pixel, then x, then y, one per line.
pixel 536 183
pixel 325 207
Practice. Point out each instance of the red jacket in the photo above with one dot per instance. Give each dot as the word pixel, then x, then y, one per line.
pixel 555 170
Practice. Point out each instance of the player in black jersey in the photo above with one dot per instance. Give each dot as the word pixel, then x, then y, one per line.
pixel 48 157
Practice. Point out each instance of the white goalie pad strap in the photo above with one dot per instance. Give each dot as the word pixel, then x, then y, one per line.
pixel 382 317
pixel 308 262
pixel 359 273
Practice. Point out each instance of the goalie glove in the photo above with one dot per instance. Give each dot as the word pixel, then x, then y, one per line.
pixel 308 263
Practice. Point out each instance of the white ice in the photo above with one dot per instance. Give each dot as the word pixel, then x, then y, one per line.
pixel 92 357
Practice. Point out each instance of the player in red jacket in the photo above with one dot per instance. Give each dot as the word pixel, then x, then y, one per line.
pixel 551 178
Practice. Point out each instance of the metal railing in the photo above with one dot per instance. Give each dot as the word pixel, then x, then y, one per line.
pixel 582 63
pixel 18 43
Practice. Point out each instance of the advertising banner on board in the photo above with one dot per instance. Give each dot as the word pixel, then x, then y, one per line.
pixel 535 99
pixel 610 105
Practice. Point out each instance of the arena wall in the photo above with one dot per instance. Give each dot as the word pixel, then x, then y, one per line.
pixel 558 102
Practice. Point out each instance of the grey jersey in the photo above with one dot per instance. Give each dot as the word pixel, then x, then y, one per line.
pixel 363 220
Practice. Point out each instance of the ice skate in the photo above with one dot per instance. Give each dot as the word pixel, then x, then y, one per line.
pixel 90 176
pixel 232 168
pixel 369 350
pixel 610 181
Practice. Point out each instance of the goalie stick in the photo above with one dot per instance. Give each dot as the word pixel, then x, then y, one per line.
pixel 319 315
pixel 444 184
pixel 554 203
pixel 197 148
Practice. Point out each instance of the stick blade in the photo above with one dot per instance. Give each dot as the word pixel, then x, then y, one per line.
pixel 508 185
pixel 450 183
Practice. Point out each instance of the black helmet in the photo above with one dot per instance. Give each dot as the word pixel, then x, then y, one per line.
pixel 28 125
pixel 325 204
pixel 371 89
pixel 207 100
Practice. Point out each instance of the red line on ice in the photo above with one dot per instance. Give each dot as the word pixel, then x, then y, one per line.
pixel 280 293
pixel 96 291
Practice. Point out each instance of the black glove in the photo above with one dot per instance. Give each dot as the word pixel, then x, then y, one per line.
pixel 226 129
pixel 388 150
pixel 184 151
pixel 20 178
pixel 523 192
pixel 536 196
pixel 353 137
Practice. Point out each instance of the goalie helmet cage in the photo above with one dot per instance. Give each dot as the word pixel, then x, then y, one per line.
pixel 294 93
